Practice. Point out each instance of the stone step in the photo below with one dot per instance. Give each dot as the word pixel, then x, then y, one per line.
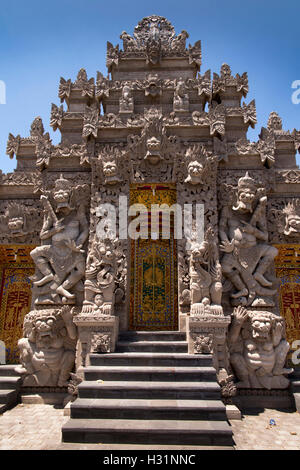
pixel 3 408
pixel 150 374
pixel 8 396
pixel 149 390
pixel 10 383
pixel 152 336
pixel 85 408
pixel 8 370
pixel 143 432
pixel 120 447
pixel 151 359
pixel 295 386
pixel 152 346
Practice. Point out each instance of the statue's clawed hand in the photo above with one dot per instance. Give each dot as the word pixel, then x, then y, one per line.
pixel 227 246
pixel 240 314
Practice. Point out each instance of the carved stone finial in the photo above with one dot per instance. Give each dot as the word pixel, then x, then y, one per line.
pixel 37 128
pixel 274 122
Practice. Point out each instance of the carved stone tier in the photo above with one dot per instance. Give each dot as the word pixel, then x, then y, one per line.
pixel 96 334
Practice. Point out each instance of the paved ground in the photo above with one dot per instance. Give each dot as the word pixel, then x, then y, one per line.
pixel 38 427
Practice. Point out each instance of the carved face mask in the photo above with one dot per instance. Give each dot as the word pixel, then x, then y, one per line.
pixel 293 225
pixel 110 169
pixel 61 197
pixel 195 169
pixel 245 200
pixel 15 223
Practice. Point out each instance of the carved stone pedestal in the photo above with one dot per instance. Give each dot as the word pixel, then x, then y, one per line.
pixel 206 334
pixel 96 334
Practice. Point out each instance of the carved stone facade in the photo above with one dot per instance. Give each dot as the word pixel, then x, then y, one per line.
pixel 154 120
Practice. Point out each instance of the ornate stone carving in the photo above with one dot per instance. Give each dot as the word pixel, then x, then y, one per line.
pixel 204 85
pixel 100 343
pixel 225 79
pixel 249 113
pixel 64 89
pixel 110 164
pixel 153 151
pixel 242 83
pixel 90 121
pixel 217 120
pixel 60 263
pixel 47 350
pixel 181 98
pixel 82 83
pixel 99 286
pixel 12 146
pixel 20 223
pixel 43 151
pixel 288 176
pixel 243 234
pixel 112 55
pixel 284 220
pixel 200 164
pixel 102 87
pixel 203 344
pixel 126 101
pixel 57 114
pixel 37 128
pixel 73 386
pixel 205 276
pixel 153 86
pixel 195 56
pixel 154 38
pixel 258 349
pixel 274 122
pixel 292 219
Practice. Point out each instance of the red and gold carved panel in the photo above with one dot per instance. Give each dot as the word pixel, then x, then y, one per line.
pixel 16 267
pixel 287 264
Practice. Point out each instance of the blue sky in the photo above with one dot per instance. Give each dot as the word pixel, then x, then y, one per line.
pixel 42 41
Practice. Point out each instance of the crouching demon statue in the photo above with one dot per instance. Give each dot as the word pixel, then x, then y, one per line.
pixel 47 351
pixel 258 349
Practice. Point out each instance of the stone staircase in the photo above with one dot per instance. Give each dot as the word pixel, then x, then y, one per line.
pixel 10 384
pixel 150 391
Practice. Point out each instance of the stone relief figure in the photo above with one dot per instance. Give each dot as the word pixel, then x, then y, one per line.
pixel 258 349
pixel 205 276
pixel 181 97
pixel 244 236
pixel 99 286
pixel 47 350
pixel 60 263
pixel 19 223
pixel 126 101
